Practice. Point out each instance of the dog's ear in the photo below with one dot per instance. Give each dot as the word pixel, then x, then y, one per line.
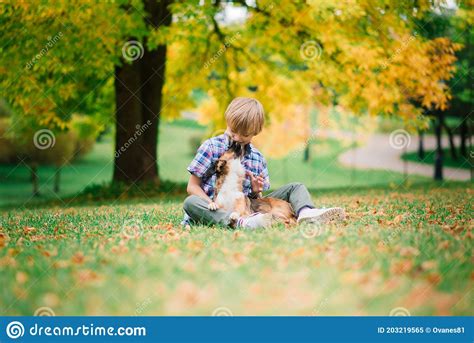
pixel 237 149
pixel 220 164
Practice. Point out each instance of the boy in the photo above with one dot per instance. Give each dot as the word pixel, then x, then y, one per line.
pixel 245 118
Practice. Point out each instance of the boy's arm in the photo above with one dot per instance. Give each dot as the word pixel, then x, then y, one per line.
pixel 198 168
pixel 260 182
pixel 265 175
pixel 194 188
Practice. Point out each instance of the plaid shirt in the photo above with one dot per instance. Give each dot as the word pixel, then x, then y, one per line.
pixel 209 152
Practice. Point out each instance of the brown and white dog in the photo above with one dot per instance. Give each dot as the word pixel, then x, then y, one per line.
pixel 229 191
pixel 280 210
pixel 229 185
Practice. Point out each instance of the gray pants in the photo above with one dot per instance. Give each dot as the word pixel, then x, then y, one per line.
pixel 196 207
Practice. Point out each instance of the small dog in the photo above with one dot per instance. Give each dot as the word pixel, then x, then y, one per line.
pixel 229 191
pixel 281 210
pixel 229 185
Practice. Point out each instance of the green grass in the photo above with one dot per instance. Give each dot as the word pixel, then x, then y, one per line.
pixel 404 244
pixel 407 247
pixel 96 167
pixel 175 151
pixel 448 160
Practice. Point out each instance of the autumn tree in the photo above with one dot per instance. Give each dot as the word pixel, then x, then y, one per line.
pixel 365 56
pixel 455 24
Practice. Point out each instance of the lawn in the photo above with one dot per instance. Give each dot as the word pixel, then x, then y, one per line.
pixel 175 152
pixel 448 160
pixel 402 250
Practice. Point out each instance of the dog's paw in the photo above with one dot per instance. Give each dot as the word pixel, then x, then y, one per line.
pixel 234 219
pixel 234 216
pixel 212 206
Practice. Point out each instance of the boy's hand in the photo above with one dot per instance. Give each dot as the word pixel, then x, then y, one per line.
pixel 257 182
pixel 212 206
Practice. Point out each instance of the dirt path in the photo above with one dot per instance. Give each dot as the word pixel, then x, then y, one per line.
pixel 383 151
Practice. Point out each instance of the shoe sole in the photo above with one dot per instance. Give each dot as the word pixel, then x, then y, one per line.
pixel 333 214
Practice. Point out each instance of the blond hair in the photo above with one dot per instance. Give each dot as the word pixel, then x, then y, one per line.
pixel 245 116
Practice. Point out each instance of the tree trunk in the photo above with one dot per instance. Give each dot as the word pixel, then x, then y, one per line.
pixel 452 146
pixel 153 66
pixel 306 152
pixel 139 93
pixel 129 165
pixel 34 179
pixel 463 136
pixel 438 165
pixel 57 177
pixel 421 149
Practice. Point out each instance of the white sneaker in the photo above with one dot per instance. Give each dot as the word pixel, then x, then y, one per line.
pixel 256 220
pixel 321 215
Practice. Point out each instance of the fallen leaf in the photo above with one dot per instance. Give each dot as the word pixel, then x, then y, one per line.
pixel 401 267
pixel 21 277
pixel 87 275
pixel 298 252
pixel 173 250
pixel 27 230
pixel 78 258
pixel 434 278
pixel 409 251
pixel 428 265
pixel 3 239
pixel 443 245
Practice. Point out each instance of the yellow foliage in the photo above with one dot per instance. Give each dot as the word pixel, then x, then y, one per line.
pixel 286 135
pixel 293 56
